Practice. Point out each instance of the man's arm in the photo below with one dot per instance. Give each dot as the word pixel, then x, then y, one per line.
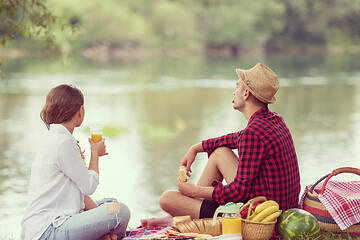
pixel 251 155
pixel 190 156
pixel 229 141
pixel 189 189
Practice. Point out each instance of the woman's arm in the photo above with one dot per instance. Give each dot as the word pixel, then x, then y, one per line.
pixel 97 150
pixel 72 165
pixel 89 203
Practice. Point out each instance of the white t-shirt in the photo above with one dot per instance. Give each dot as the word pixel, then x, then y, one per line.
pixel 59 180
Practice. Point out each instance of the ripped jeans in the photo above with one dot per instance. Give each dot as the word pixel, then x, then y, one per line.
pixel 91 224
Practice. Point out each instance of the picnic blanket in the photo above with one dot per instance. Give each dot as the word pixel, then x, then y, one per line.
pixel 341 200
pixel 167 233
pixel 141 233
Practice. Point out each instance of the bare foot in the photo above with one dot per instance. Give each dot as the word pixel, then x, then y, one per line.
pixel 157 222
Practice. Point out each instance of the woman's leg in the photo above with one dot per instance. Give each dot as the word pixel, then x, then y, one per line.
pixel 109 218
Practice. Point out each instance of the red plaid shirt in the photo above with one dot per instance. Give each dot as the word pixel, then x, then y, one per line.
pixel 267 162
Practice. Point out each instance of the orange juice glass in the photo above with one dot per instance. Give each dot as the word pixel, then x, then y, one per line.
pixel 96 133
pixel 231 225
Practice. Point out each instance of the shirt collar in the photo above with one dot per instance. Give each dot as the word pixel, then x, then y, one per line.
pixel 262 111
pixel 58 128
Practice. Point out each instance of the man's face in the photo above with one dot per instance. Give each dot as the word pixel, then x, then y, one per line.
pixel 238 101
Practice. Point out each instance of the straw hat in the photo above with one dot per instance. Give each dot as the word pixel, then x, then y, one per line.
pixel 261 81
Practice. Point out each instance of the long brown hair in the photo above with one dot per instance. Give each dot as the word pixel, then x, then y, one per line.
pixel 62 103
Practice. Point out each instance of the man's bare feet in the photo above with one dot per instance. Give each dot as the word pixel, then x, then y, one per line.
pixel 157 222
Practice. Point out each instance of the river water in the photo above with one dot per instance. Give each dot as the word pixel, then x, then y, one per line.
pixel 153 110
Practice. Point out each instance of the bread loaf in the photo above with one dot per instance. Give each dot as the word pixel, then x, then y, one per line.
pixel 182 173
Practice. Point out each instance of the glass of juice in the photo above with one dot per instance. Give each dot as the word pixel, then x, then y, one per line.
pixel 96 133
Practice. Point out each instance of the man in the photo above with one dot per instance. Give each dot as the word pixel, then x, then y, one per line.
pixel 266 164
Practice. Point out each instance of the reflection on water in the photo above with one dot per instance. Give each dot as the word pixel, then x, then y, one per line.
pixel 155 110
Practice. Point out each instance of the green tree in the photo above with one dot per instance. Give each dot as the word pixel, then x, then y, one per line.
pixel 28 19
pixel 239 24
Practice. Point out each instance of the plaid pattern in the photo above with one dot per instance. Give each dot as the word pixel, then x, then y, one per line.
pixel 267 162
pixel 341 200
pixel 141 233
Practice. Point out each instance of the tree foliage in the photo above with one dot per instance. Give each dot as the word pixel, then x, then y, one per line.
pixel 28 19
pixel 236 24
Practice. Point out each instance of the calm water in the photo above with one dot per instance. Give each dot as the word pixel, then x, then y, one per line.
pixel 153 110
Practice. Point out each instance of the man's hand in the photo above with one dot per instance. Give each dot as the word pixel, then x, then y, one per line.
pixel 190 156
pixel 187 188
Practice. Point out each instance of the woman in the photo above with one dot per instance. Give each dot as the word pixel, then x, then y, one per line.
pixel 59 206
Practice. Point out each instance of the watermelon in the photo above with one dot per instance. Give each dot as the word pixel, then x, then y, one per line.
pixel 298 224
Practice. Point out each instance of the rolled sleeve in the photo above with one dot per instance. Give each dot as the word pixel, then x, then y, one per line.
pixel 73 166
pixel 229 141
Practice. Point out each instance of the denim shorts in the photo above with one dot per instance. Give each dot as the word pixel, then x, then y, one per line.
pixel 91 224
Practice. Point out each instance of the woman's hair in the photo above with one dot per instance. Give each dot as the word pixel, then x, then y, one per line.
pixel 62 103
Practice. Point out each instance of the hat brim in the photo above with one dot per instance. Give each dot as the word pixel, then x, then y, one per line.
pixel 241 74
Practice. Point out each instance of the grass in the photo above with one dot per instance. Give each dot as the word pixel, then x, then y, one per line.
pixel 332 236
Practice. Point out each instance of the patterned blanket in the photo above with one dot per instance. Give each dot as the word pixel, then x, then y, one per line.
pixel 341 200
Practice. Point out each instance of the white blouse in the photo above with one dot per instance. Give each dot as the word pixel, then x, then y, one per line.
pixel 59 180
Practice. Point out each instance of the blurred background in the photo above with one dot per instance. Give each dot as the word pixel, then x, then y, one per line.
pixel 160 76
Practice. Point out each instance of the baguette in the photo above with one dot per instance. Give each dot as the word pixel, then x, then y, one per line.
pixel 181 219
pixel 182 173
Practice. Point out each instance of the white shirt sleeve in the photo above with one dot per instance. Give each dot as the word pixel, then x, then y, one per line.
pixel 73 166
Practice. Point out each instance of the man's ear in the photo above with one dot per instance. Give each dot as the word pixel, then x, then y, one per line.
pixel 247 94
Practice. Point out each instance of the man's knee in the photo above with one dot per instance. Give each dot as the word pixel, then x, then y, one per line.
pixel 222 150
pixel 220 153
pixel 113 207
pixel 166 199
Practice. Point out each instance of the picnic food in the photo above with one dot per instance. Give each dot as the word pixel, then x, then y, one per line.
pixel 298 224
pixel 182 173
pixel 201 226
pixel 181 219
pixel 272 217
pixel 266 212
pixel 259 224
pixel 170 234
pixel 244 212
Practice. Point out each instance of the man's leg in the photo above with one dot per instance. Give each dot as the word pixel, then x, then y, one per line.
pixel 222 164
pixel 175 204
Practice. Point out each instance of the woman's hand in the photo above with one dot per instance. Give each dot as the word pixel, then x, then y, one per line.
pixel 99 147
pixel 109 237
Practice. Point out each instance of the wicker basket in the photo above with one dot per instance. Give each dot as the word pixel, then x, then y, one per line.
pixel 256 230
pixel 313 205
pixel 203 226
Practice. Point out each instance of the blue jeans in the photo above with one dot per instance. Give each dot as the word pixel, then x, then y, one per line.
pixel 91 224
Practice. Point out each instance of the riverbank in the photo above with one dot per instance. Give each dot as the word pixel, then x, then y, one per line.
pixel 105 52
